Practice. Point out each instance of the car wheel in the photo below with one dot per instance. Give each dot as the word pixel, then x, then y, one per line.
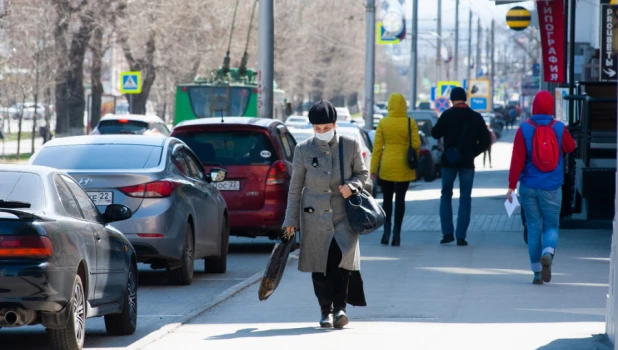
pixel 125 322
pixel 184 274
pixel 218 264
pixel 72 336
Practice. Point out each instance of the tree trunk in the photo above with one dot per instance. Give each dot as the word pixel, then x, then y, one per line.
pixel 47 99
pixel 97 86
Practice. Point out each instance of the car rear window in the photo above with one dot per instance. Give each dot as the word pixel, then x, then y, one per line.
pixel 122 126
pixel 22 187
pixel 113 157
pixel 227 147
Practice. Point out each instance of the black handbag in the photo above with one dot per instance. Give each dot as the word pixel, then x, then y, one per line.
pixel 412 156
pixel 452 155
pixel 364 213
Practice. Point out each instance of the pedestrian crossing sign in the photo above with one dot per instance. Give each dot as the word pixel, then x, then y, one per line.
pixel 131 82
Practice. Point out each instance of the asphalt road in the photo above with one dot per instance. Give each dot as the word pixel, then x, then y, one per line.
pixel 159 304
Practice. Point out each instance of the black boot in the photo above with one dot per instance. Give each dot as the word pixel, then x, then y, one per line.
pixel 387 233
pixel 396 235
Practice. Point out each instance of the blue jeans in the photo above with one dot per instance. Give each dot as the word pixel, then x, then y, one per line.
pixel 542 210
pixel 466 179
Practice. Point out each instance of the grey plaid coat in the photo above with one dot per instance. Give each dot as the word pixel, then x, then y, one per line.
pixel 315 205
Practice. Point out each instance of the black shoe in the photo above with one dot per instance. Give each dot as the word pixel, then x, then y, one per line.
pixel 447 239
pixel 461 242
pixel 341 319
pixel 327 320
pixel 387 233
pixel 396 236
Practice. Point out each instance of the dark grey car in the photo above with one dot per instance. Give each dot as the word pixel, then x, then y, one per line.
pixel 178 215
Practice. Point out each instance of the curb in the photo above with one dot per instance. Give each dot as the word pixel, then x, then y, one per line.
pixel 227 294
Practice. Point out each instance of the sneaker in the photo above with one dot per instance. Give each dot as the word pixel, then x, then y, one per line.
pixel 447 239
pixel 546 261
pixel 461 242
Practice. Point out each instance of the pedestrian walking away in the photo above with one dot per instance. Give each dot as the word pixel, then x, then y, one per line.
pixel 465 137
pixel 537 164
pixel 316 206
pixel 394 135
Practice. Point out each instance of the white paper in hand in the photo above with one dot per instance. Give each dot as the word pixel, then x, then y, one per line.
pixel 511 206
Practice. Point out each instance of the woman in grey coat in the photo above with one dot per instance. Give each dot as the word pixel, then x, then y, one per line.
pixel 316 207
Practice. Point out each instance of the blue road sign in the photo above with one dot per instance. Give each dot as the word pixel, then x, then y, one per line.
pixel 479 103
pixel 445 89
pixel 442 104
pixel 465 84
pixel 433 93
pixel 131 82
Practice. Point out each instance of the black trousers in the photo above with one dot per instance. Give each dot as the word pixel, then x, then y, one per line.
pixel 485 154
pixel 332 288
pixel 398 189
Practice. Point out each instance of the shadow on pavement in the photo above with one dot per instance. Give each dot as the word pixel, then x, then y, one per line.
pixel 596 342
pixel 253 333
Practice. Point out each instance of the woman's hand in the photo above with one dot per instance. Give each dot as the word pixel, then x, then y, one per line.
pixel 374 176
pixel 345 190
pixel 509 195
pixel 290 231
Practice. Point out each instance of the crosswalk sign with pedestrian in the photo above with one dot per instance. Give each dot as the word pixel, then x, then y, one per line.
pixel 131 83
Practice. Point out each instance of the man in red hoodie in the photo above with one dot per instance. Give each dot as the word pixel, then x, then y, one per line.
pixel 537 164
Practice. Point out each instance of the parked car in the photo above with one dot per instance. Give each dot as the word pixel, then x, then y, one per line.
pixel 343 114
pixel 295 121
pixel 257 154
pixel 28 111
pixel 428 168
pixel 426 120
pixel 60 260
pixel 178 214
pixel 301 135
pixel 132 124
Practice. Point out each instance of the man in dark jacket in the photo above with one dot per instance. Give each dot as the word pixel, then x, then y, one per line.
pixel 465 137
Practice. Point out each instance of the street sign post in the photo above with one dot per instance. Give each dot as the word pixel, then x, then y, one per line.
pixel 433 94
pixel 609 60
pixel 384 37
pixel 444 87
pixel 479 93
pixel 131 83
pixel 442 104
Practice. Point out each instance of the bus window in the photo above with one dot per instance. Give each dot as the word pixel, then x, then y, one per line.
pixel 202 99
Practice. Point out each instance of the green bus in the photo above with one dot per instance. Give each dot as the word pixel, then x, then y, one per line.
pixel 233 94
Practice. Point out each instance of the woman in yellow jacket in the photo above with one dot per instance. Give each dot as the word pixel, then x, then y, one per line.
pixel 390 152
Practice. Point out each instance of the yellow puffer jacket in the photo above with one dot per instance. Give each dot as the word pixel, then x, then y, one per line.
pixel 390 149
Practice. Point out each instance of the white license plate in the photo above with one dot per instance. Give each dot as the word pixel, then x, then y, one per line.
pixel 228 185
pixel 102 198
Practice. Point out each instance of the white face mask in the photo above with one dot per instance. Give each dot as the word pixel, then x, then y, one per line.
pixel 326 136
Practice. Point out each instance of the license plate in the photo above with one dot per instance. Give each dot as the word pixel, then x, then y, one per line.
pixel 102 198
pixel 228 185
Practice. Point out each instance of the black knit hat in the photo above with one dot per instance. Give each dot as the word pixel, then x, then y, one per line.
pixel 458 94
pixel 322 112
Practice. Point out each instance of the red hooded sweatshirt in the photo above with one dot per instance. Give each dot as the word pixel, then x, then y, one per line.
pixel 542 107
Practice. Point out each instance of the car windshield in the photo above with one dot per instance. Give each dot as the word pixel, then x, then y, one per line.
pixel 99 156
pixel 209 101
pixel 122 126
pixel 22 187
pixel 424 125
pixel 230 148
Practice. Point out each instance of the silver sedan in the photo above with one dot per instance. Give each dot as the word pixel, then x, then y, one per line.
pixel 178 215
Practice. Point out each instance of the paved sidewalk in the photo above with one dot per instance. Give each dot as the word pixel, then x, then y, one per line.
pixel 426 296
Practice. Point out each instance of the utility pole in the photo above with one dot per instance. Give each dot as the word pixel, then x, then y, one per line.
pixel 439 44
pixel 493 63
pixel 266 58
pixel 479 41
pixel 414 55
pixel 370 40
pixel 456 59
pixel 469 70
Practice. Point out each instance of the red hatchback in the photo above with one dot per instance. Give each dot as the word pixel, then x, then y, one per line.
pixel 257 154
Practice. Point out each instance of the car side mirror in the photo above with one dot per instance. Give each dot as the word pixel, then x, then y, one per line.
pixel 117 212
pixel 218 175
